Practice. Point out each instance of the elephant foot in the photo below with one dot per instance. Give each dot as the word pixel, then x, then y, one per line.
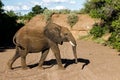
pixel 9 66
pixel 61 68
pixel 40 68
pixel 76 61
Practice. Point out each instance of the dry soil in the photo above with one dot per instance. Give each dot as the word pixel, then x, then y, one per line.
pixel 95 62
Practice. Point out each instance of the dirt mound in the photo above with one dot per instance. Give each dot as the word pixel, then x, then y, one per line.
pixel 36 21
pixel 81 28
pixel 61 19
pixel 84 23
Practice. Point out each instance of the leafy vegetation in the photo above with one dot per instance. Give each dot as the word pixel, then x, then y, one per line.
pixel 96 31
pixel 114 41
pixel 37 9
pixel 64 11
pixel 8 26
pixel 72 19
pixel 109 12
pixel 1 4
pixel 47 13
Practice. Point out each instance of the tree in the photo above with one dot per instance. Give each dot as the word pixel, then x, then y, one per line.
pixel 1 5
pixel 12 14
pixel 37 9
pixel 8 27
pixel 109 12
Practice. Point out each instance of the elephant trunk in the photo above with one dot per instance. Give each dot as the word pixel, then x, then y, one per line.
pixel 75 54
pixel 73 43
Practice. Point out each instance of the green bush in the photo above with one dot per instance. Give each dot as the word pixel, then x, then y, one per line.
pixel 116 25
pixel 96 31
pixel 114 40
pixel 109 12
pixel 64 11
pixel 94 13
pixel 72 19
pixel 47 13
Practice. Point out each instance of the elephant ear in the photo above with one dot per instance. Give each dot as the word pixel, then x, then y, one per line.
pixel 52 31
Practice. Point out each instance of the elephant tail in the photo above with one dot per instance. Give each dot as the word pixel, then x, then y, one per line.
pixel 14 40
pixel 16 44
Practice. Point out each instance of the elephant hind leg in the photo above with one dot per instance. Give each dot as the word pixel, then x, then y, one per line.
pixel 23 54
pixel 43 57
pixel 13 59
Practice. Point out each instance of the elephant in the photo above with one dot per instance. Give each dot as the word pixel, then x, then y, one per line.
pixel 42 39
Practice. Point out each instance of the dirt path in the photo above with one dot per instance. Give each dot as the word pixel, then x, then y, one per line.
pixel 96 62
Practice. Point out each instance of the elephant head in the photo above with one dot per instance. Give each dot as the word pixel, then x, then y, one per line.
pixel 59 34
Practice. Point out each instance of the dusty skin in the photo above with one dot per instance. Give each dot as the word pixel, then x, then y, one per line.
pixel 41 39
pixel 95 62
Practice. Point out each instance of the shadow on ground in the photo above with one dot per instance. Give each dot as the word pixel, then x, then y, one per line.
pixel 67 62
pixel 53 62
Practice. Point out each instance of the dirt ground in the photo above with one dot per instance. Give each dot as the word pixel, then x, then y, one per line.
pixel 96 62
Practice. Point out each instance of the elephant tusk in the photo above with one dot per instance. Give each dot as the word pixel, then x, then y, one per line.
pixel 71 43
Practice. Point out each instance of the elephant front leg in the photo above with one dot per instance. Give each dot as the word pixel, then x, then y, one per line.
pixel 43 57
pixel 58 58
pixel 56 51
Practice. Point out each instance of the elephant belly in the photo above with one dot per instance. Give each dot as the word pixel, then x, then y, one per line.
pixel 37 45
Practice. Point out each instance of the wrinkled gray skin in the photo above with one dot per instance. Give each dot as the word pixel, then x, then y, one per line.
pixel 31 40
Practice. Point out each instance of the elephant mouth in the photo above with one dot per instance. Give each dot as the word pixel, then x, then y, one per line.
pixel 61 43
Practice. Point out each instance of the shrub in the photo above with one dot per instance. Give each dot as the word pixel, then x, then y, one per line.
pixel 72 19
pixel 96 31
pixel 47 13
pixel 116 25
pixel 114 40
pixel 94 13
pixel 64 11
pixel 109 12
